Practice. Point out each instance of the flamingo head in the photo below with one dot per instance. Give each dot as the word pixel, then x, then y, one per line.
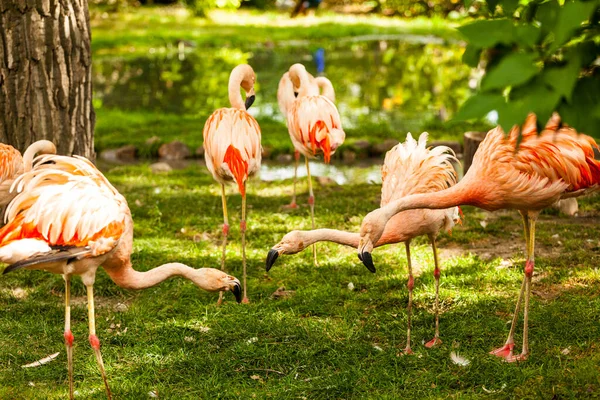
pixel 293 242
pixel 215 280
pixel 297 72
pixel 370 233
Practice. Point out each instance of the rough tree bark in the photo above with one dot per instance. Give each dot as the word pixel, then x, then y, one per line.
pixel 45 75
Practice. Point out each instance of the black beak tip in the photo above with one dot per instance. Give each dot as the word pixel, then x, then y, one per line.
pixel 237 292
pixel 295 94
pixel 271 258
pixel 368 261
pixel 250 101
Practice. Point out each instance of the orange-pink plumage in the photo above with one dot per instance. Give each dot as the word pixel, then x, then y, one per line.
pixel 528 176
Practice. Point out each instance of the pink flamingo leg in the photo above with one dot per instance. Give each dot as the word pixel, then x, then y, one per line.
pixel 225 233
pixel 436 274
pixel 410 285
pixel 506 351
pixel 68 334
pixel 529 267
pixel 293 204
pixel 243 230
pixel 311 203
pixel 94 341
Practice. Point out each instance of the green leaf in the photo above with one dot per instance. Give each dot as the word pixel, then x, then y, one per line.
pixel 547 13
pixel 582 112
pixel 479 105
pixel 570 17
pixel 488 33
pixel 535 97
pixel 527 35
pixel 563 78
pixel 513 70
pixel 471 55
pixel 509 7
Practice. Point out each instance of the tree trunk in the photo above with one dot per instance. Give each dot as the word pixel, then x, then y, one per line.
pixel 45 75
pixel 472 141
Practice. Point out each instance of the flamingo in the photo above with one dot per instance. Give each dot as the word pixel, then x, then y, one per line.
pixel 285 98
pixel 68 219
pixel 232 149
pixel 12 164
pixel 314 125
pixel 526 176
pixel 408 168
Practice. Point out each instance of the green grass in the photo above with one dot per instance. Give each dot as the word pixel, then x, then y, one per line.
pixel 137 30
pixel 321 341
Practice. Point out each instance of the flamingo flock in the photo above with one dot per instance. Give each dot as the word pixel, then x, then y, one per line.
pixel 63 216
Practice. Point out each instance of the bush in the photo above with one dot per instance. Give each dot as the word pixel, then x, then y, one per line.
pixel 539 56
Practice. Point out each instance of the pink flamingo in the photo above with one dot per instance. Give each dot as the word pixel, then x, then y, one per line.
pixel 12 164
pixel 527 176
pixel 314 125
pixel 285 98
pixel 68 219
pixel 408 168
pixel 233 150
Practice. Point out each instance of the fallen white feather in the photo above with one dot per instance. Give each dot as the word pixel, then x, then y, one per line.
pixel 458 360
pixel 494 391
pixel 351 286
pixel 41 362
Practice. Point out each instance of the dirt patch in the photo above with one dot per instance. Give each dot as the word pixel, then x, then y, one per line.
pixel 115 304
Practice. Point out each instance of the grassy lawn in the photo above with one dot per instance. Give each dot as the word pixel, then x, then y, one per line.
pixel 324 341
pixel 136 30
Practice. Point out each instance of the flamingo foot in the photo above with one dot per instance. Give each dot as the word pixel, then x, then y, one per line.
pixel 408 351
pixel 293 204
pixel 245 300
pixel 504 351
pixel 520 357
pixel 433 342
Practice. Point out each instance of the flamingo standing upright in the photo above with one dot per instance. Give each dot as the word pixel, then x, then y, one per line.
pixel 232 149
pixel 12 164
pixel 408 168
pixel 314 125
pixel 285 98
pixel 528 176
pixel 68 219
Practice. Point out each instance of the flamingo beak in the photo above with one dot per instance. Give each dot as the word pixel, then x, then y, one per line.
pixel 367 260
pixel 295 94
pixel 237 291
pixel 250 97
pixel 271 258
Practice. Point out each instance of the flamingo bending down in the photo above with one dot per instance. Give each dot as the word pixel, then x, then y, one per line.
pixel 12 164
pixel 314 125
pixel 68 219
pixel 527 176
pixel 408 168
pixel 233 150
pixel 285 98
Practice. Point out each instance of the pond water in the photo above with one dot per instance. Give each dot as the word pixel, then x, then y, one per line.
pixel 399 81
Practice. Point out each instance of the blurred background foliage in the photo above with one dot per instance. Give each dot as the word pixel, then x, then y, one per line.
pixel 539 56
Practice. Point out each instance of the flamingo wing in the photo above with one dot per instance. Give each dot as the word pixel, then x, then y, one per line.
pixel 411 168
pixel 60 206
pixel 232 145
pixel 315 127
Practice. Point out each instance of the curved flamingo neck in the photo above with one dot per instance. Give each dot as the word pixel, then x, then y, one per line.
pixel 344 238
pixel 325 85
pixel 39 147
pixel 451 197
pixel 299 75
pixel 128 278
pixel 241 73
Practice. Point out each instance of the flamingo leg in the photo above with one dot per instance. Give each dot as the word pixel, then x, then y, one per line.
pixel 311 203
pixel 410 285
pixel 243 230
pixel 436 274
pixel 529 267
pixel 68 334
pixel 506 351
pixel 225 233
pixel 94 341
pixel 293 204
